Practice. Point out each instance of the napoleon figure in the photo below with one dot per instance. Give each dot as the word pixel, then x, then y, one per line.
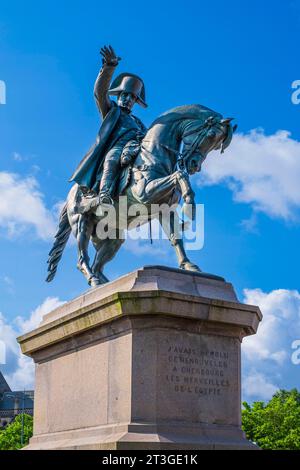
pixel 99 170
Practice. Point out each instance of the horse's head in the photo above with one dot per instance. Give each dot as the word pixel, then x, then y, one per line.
pixel 201 138
pixel 198 128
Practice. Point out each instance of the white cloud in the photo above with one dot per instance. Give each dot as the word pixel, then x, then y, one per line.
pixel 158 250
pixel 22 206
pixel 8 336
pixel 22 378
pixel 8 281
pixel 250 224
pixel 139 243
pixel 28 324
pixel 267 355
pixel 262 170
pixel 20 372
pixel 17 157
pixel 280 325
pixel 256 386
pixel 8 284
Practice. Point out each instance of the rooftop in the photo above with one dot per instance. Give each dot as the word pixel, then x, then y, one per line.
pixel 13 400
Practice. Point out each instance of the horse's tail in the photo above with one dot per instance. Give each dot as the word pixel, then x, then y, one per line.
pixel 61 238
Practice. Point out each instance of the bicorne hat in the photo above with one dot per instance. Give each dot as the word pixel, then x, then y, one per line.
pixel 131 84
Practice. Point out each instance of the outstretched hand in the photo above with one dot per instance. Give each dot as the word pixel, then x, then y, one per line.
pixel 109 56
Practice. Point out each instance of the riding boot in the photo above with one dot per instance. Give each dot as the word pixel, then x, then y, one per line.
pixel 108 180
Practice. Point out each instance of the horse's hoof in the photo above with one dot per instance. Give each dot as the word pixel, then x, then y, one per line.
pixel 98 280
pixel 188 266
pixel 94 282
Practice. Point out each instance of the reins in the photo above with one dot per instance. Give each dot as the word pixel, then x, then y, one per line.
pixel 182 156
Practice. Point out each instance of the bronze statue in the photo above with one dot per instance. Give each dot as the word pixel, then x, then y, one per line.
pixel 148 167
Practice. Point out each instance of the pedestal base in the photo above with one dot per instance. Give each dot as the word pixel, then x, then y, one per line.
pixel 149 361
pixel 145 437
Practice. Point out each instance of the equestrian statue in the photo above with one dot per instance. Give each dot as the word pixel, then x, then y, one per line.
pixel 148 166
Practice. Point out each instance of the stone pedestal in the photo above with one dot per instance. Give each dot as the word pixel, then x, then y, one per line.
pixel 149 361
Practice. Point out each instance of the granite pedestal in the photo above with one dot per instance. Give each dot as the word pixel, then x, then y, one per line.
pixel 149 361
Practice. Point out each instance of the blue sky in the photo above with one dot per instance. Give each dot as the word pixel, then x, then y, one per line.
pixel 239 58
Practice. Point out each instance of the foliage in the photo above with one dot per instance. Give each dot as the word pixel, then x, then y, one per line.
pixel 275 425
pixel 10 437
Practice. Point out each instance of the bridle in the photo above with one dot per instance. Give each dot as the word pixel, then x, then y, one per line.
pixel 201 132
pixel 182 156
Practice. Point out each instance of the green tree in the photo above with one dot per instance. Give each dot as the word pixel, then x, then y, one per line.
pixel 10 437
pixel 275 425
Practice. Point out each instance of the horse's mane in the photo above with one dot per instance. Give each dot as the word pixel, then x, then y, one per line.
pixel 193 111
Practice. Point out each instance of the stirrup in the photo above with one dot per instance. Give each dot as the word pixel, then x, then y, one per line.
pixel 105 198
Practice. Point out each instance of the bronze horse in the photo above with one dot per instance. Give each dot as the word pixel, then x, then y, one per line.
pixel 174 147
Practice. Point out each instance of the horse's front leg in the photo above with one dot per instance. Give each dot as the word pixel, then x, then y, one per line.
pixel 188 195
pixel 160 190
pixel 172 228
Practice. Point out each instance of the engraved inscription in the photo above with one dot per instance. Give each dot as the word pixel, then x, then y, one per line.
pixel 193 370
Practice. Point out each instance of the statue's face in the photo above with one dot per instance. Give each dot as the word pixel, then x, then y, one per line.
pixel 126 100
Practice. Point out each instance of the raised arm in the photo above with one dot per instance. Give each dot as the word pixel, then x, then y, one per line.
pixel 109 62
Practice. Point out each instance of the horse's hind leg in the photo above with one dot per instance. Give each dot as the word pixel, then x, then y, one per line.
pixel 105 251
pixel 171 229
pixel 85 226
pixel 82 226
